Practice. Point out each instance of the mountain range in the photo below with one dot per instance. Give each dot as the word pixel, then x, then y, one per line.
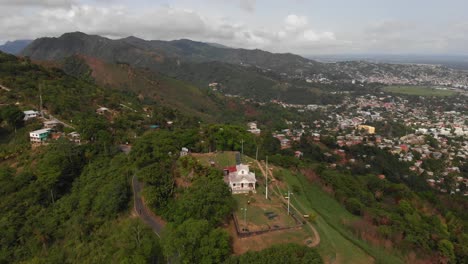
pixel 15 47
pixel 256 74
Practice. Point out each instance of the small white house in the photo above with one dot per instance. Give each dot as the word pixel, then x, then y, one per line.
pixel 184 152
pixel 241 179
pixel 39 136
pixel 75 137
pixel 30 114
pixel 253 128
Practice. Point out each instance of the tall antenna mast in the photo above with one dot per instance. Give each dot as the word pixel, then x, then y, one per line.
pixel 266 179
pixel 40 99
pixel 242 150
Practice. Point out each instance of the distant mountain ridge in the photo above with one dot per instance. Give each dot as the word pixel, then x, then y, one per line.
pixel 184 49
pixel 252 73
pixel 15 47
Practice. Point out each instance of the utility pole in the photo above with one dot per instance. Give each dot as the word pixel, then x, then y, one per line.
pixel 256 154
pixel 40 100
pixel 266 179
pixel 245 217
pixel 242 149
pixel 289 198
pixel 52 196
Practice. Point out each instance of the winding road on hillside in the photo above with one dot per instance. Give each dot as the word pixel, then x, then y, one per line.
pixel 277 191
pixel 142 211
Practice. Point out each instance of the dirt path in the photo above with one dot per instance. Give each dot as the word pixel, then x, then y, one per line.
pixel 276 191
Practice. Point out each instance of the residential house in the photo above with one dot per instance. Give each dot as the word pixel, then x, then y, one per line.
pixel 39 136
pixel 184 152
pixel 240 179
pixel 367 129
pixel 75 137
pixel 253 128
pixel 30 114
pixel 51 124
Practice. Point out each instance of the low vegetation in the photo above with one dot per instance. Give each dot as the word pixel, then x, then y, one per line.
pixel 419 90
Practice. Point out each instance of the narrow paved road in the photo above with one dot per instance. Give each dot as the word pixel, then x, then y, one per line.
pixel 53 118
pixel 142 211
pixel 277 191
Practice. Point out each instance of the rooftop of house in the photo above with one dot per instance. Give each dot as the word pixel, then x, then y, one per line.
pixel 41 131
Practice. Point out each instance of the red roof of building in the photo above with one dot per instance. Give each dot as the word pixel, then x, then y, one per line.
pixel 231 169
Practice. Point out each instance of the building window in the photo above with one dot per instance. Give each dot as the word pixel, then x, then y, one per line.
pixel 234 184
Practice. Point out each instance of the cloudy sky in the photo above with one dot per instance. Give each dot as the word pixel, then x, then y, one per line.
pixel 300 26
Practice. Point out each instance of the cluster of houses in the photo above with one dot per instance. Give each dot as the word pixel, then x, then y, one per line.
pixel 50 130
pixel 349 121
pixel 285 136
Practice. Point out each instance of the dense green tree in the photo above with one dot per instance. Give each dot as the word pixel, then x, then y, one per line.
pixel 160 183
pixel 195 241
pixel 354 206
pixel 208 198
pixel 12 115
pixel 446 249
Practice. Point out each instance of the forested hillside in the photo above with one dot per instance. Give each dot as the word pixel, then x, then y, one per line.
pixel 68 202
pixel 65 202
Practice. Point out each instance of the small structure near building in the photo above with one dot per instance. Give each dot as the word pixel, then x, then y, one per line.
pixel 39 136
pixel 184 152
pixel 51 124
pixel 75 137
pixel 102 110
pixel 285 143
pixel 367 129
pixel 240 179
pixel 253 128
pixel 30 114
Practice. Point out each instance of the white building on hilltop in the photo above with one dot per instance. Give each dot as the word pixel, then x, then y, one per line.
pixel 253 128
pixel 240 179
pixel 30 114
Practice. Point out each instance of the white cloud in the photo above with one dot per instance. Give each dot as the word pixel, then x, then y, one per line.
pixel 20 19
pixel 294 35
pixel 311 35
pixel 37 3
pixel 294 22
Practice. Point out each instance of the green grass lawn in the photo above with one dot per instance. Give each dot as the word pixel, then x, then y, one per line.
pixel 337 241
pixel 256 209
pixel 418 90
pixel 222 159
